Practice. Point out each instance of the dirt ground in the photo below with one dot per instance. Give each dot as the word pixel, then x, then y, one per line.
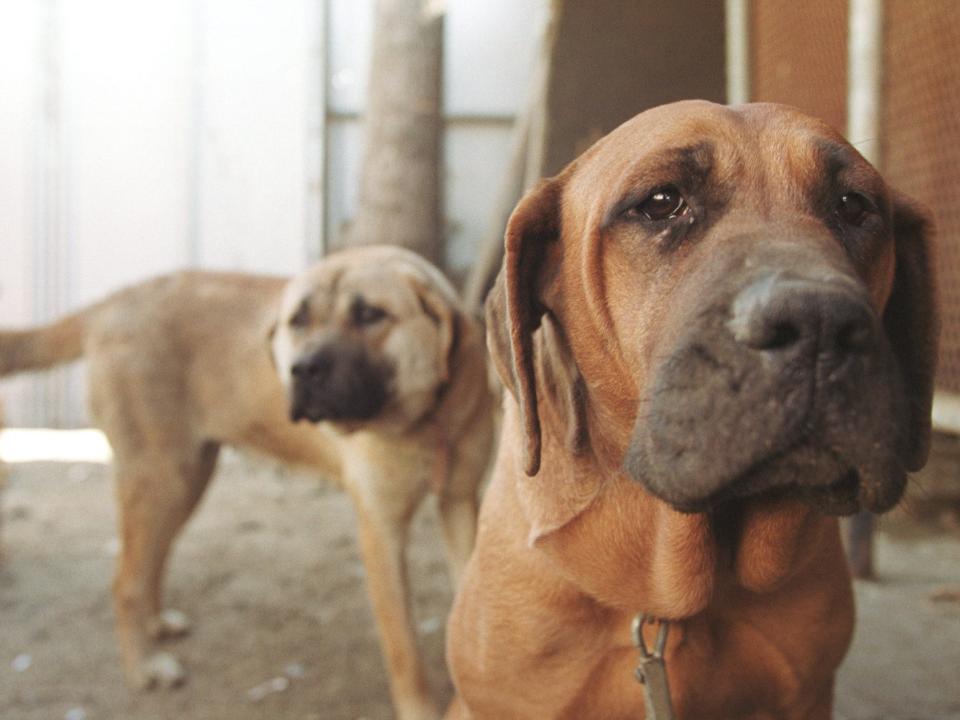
pixel 269 572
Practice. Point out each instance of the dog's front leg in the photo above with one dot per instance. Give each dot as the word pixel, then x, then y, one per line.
pixel 458 491
pixel 821 708
pixel 458 517
pixel 383 522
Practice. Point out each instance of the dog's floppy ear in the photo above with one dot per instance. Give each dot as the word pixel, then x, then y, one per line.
pixel 445 314
pixel 561 382
pixel 912 322
pixel 513 310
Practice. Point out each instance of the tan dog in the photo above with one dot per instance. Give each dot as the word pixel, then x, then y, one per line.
pixel 372 341
pixel 718 331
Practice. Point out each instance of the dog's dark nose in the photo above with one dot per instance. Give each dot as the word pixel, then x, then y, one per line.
pixel 314 367
pixel 791 317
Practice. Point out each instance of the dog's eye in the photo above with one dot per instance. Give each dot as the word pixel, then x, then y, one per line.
pixel 364 314
pixel 854 208
pixel 301 317
pixel 663 203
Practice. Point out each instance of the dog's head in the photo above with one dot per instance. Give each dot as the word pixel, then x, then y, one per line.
pixel 725 303
pixel 366 337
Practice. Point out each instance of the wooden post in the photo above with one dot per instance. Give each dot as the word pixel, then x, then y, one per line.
pixel 400 176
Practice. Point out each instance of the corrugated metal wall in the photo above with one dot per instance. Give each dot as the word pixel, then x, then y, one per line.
pixel 659 53
pixel 921 140
pixel 799 56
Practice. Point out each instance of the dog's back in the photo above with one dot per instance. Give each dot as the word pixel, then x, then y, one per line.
pixel 186 301
pixel 160 348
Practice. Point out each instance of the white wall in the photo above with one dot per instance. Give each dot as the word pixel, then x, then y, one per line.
pixel 138 136
pixel 19 101
pixel 255 98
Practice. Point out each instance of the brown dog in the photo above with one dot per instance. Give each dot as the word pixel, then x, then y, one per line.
pixel 371 341
pixel 718 331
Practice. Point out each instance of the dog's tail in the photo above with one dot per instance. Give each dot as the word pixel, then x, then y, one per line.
pixel 42 347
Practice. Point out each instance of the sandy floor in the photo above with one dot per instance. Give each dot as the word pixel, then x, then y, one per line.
pixel 269 572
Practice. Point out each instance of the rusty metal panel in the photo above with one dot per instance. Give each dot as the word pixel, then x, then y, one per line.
pixel 799 56
pixel 614 59
pixel 920 147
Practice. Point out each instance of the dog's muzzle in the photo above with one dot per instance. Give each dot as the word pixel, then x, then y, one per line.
pixel 788 387
pixel 804 322
pixel 337 381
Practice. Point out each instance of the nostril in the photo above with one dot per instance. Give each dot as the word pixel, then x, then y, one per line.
pixel 314 368
pixel 768 334
pixel 782 335
pixel 791 317
pixel 854 337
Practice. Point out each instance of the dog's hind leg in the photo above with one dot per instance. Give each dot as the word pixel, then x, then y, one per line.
pixel 157 492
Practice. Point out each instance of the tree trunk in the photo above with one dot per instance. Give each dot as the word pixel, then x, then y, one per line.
pixel 400 181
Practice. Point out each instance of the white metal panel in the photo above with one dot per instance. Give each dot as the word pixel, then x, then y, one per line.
pixel 254 134
pixel 126 80
pixel 489 49
pixel 737 21
pixel 19 99
pixel 349 33
pixel 344 150
pixel 489 52
pixel 127 75
pixel 864 70
pixel 475 160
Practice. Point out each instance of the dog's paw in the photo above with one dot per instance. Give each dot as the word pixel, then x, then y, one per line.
pixel 161 670
pixel 169 624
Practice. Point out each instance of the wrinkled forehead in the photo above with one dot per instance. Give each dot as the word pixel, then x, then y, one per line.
pixel 762 145
pixel 333 286
pixel 387 287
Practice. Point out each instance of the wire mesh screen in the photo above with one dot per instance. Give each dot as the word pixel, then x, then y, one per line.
pixel 799 56
pixel 921 140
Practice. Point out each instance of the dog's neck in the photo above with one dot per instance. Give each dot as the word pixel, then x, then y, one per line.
pixel 590 549
pixel 657 560
pixel 460 399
